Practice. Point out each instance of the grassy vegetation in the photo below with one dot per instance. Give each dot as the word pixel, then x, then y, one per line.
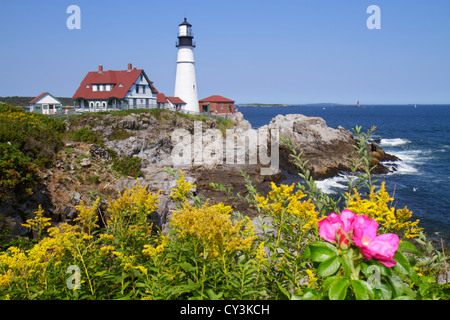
pixel 28 141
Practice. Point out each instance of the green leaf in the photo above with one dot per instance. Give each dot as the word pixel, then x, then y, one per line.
pixel 212 295
pixel 407 247
pixel 403 298
pixel 346 264
pixel 283 290
pixel 426 279
pixel 403 265
pixel 397 285
pixel 309 295
pixel 329 266
pixel 322 251
pixel 360 290
pixel 188 267
pixel 338 290
pixel 383 292
pixel 329 282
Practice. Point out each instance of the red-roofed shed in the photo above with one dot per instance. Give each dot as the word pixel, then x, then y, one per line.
pixel 216 104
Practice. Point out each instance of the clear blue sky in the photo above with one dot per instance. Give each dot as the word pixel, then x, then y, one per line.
pixel 298 51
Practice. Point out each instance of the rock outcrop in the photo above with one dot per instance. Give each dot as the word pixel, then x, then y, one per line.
pixel 326 149
pixel 83 171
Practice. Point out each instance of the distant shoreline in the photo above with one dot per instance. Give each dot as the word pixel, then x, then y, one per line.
pixel 261 105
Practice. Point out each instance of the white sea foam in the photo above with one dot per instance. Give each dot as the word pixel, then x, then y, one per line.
pixel 330 185
pixel 405 168
pixel 393 142
pixel 409 160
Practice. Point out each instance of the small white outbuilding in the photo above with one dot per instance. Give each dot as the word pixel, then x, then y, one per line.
pixel 46 103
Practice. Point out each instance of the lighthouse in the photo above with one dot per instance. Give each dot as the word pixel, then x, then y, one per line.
pixel 185 83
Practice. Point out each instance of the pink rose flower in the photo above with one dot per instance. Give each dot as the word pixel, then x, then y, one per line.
pixel 381 248
pixel 334 228
pixel 363 232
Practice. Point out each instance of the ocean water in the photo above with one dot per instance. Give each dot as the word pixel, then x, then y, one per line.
pixel 418 135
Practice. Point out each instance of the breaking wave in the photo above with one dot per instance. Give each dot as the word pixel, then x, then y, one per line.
pixel 393 142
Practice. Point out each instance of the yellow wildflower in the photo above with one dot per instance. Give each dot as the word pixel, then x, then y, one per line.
pixel 152 251
pixel 87 216
pixel 212 227
pixel 38 223
pixel 260 254
pixel 390 219
pixel 182 189
pixel 312 279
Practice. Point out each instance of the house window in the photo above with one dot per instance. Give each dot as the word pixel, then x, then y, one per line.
pixel 94 87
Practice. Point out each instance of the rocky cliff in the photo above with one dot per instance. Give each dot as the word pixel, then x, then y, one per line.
pixel 83 171
pixel 326 149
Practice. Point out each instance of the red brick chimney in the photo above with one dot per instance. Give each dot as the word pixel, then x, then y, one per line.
pixel 129 67
pixel 100 68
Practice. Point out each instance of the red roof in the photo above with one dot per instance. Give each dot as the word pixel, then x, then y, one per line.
pixel 161 98
pixel 176 100
pixel 216 98
pixel 122 81
pixel 38 97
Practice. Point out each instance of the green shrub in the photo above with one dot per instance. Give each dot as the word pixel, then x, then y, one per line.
pixel 128 166
pixel 86 135
pixel 36 135
pixel 17 172
pixel 120 134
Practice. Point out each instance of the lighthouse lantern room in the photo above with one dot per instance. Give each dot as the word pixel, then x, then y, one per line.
pixel 185 82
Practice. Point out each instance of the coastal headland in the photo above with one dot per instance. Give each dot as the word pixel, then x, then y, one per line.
pixel 102 154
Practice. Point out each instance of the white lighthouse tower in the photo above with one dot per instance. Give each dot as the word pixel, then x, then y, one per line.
pixel 185 83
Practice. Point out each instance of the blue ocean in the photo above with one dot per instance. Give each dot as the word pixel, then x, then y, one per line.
pixel 417 134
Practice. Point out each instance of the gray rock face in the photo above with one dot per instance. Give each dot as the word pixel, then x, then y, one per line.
pixel 150 138
pixel 326 149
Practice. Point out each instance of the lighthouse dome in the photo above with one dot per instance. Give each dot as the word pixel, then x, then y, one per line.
pixel 185 34
pixel 185 23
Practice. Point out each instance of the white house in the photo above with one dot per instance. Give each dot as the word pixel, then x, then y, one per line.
pixel 122 89
pixel 46 103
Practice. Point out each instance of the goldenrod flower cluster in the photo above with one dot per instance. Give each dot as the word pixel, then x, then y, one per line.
pixel 133 203
pixel 390 219
pixel 152 250
pixel 38 223
pixel 282 200
pixel 182 189
pixel 128 214
pixel 87 216
pixel 211 227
